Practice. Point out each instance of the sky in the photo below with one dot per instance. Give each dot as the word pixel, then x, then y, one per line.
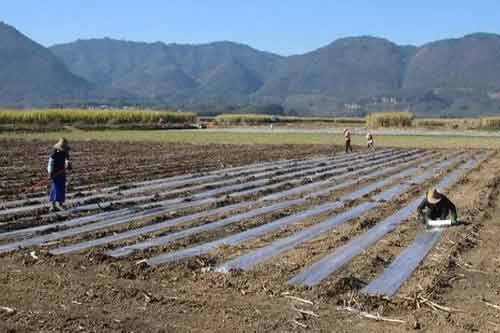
pixel 281 26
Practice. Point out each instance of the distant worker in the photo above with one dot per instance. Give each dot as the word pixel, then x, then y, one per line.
pixel 347 138
pixel 436 206
pixel 57 166
pixel 369 139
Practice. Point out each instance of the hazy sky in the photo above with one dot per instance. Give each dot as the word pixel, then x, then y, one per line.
pixel 284 27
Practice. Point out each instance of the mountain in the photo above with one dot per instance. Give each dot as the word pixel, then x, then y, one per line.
pixel 469 62
pixel 350 76
pixel 230 82
pixel 346 68
pixel 31 75
pixel 455 77
pixel 173 72
pixel 349 68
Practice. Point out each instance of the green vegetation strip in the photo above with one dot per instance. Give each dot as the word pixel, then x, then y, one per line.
pixel 201 137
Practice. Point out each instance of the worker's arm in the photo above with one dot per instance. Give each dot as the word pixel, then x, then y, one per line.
pixel 50 166
pixel 67 162
pixel 421 207
pixel 452 209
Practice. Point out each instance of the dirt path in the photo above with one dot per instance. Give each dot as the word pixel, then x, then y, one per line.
pixel 357 130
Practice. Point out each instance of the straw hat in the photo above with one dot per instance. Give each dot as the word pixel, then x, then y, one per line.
pixel 62 145
pixel 433 196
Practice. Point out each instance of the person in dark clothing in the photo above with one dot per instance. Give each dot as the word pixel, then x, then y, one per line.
pixel 436 206
pixel 57 166
pixel 347 138
pixel 369 139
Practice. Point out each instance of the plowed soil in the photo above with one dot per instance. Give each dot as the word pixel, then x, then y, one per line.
pixel 97 164
pixel 89 292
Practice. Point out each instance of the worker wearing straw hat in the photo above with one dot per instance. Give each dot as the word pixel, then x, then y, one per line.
pixel 57 166
pixel 369 139
pixel 347 139
pixel 437 206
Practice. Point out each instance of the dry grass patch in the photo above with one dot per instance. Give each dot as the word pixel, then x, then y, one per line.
pixel 390 119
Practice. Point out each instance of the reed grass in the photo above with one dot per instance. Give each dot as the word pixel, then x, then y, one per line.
pixel 390 119
pixel 94 117
pixel 257 119
pixel 490 123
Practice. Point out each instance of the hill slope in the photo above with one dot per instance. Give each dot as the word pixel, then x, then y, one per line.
pixel 346 68
pixel 31 75
pixel 349 76
pixel 195 73
pixel 448 76
pixel 469 62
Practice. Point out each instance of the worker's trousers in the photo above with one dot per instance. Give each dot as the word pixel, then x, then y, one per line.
pixel 348 147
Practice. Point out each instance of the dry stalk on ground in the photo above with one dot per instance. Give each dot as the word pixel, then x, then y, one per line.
pixel 494 306
pixel 298 299
pixel 7 309
pixel 419 300
pixel 367 315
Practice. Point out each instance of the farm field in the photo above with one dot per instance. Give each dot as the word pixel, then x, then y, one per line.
pixel 260 136
pixel 202 235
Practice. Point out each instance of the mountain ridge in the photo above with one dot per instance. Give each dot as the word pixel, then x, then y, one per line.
pixel 21 58
pixel 349 76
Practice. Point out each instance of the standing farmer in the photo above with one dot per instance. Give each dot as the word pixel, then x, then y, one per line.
pixel 58 163
pixel 347 138
pixel 369 139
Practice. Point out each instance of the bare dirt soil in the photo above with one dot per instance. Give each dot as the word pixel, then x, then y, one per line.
pixel 96 163
pixel 454 290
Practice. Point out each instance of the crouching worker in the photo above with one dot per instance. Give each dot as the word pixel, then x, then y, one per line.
pixel 436 206
pixel 58 164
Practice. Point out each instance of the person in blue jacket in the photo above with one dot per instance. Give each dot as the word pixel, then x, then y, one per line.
pixel 58 164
